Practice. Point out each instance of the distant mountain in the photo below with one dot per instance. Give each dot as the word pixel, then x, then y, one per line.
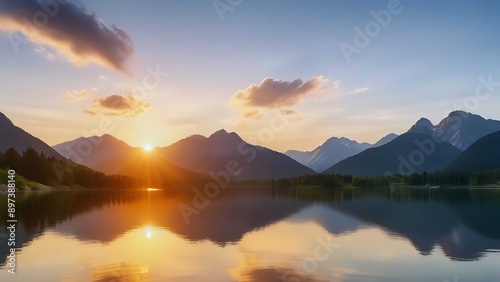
pixel 333 151
pixel 93 151
pixel 483 155
pixel 423 125
pixel 399 156
pixel 113 156
pixel 384 140
pixel 15 137
pixel 459 128
pixel 329 153
pixel 223 151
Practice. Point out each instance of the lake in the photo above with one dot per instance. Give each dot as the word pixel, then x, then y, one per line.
pixel 256 234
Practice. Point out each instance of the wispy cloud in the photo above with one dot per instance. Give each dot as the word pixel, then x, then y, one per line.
pixel 275 94
pixel 78 95
pixel 42 50
pixel 72 30
pixel 119 105
pixel 359 90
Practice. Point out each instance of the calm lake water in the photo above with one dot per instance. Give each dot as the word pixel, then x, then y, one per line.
pixel 257 235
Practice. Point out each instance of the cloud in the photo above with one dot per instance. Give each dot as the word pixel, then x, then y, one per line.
pixel 42 50
pixel 253 114
pixel 360 90
pixel 70 29
pixel 272 93
pixel 75 95
pixel 276 94
pixel 50 56
pixel 288 112
pixel 119 105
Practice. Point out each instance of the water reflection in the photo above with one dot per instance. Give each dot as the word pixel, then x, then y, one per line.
pixel 259 235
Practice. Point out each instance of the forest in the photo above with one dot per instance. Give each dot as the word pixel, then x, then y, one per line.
pixel 58 173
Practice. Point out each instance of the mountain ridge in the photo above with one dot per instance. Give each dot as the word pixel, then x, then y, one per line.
pixel 334 150
pixel 397 156
pixel 17 138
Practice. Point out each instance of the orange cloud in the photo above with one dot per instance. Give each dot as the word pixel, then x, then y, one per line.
pixel 118 105
pixel 71 29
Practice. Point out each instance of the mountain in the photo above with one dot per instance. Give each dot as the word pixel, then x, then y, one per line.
pixel 224 152
pixel 329 153
pixel 113 156
pixel 384 140
pixel 423 125
pixel 333 151
pixel 483 155
pixel 459 128
pixel 412 152
pixel 13 136
pixel 93 151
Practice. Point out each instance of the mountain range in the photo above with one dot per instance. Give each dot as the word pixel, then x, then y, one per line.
pixel 459 128
pixel 221 152
pixel 407 154
pixel 333 151
pixel 425 147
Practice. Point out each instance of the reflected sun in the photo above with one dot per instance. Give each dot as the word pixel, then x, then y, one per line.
pixel 147 147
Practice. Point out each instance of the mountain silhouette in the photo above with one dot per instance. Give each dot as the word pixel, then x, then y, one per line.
pixel 113 156
pixel 333 151
pixel 329 153
pixel 483 155
pixel 384 140
pixel 412 152
pixel 15 137
pixel 93 151
pixel 215 153
pixel 459 128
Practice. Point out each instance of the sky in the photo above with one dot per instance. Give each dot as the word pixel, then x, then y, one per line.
pixel 282 74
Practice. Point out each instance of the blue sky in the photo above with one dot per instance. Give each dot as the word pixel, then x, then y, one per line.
pixel 424 62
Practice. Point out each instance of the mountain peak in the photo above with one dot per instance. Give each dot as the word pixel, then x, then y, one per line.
pixel 220 132
pixel 423 125
pixel 458 112
pixel 5 120
pixel 223 135
pixel 424 121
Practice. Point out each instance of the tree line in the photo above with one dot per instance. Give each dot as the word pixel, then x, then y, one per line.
pixel 440 178
pixel 56 173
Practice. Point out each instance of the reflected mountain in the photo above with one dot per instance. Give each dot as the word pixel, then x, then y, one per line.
pixel 463 223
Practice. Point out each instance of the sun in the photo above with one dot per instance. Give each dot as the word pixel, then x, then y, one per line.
pixel 147 147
